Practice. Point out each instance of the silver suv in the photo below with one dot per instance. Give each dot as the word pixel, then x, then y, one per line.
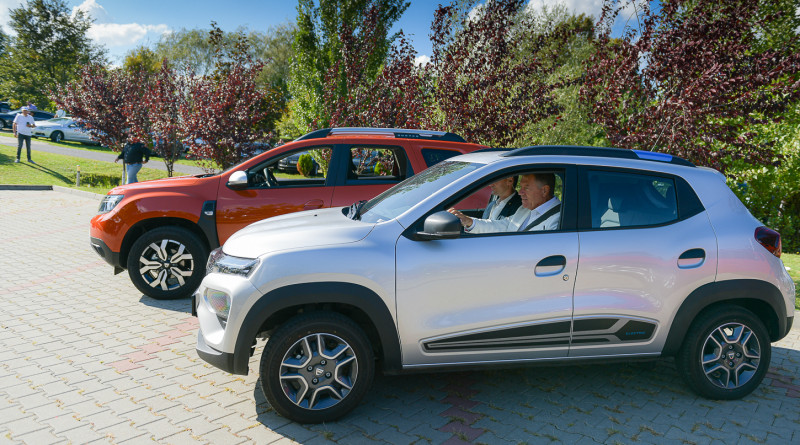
pixel 647 256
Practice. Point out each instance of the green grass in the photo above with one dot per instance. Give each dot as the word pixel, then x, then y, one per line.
pixel 90 147
pixel 54 169
pixel 792 261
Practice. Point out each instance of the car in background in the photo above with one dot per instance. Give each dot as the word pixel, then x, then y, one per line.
pixel 5 107
pixel 289 164
pixel 62 129
pixel 161 231
pixel 7 119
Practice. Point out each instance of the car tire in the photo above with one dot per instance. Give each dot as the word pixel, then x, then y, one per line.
pixel 57 136
pixel 725 354
pixel 324 385
pixel 167 263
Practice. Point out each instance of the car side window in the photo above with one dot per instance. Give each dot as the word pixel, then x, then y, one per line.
pixel 631 199
pixel 296 168
pixel 433 156
pixel 503 205
pixel 370 163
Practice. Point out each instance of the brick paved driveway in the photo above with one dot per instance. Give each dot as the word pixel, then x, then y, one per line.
pixel 86 358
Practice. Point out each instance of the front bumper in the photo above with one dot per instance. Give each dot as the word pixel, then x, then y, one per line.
pixel 221 360
pixel 106 253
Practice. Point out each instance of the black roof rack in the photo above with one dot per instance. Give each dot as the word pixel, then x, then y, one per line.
pixel 391 132
pixel 566 150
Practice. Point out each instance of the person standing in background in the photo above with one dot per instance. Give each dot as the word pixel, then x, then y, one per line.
pixel 132 154
pixel 23 123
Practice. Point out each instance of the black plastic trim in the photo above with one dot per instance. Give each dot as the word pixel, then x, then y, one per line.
pixel 221 360
pixel 593 324
pixel 208 223
pixel 720 292
pixel 575 150
pixel 510 337
pixel 105 252
pixel 299 295
pixel 635 330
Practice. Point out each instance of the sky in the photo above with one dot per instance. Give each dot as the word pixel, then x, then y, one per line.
pixel 122 25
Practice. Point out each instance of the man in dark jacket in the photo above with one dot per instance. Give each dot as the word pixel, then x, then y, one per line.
pixel 132 156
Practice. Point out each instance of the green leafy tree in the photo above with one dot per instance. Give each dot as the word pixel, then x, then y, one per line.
pixel 49 48
pixel 142 59
pixel 318 45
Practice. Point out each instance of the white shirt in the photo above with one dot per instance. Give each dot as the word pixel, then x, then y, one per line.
pixel 499 206
pixel 518 220
pixel 21 122
pixel 550 223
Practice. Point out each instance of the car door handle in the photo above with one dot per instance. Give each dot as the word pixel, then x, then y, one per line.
pixel 313 204
pixel 691 258
pixel 551 265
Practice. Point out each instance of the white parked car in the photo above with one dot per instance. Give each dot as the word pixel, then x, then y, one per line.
pixel 641 255
pixel 62 128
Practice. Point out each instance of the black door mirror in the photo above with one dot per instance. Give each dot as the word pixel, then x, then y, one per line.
pixel 440 225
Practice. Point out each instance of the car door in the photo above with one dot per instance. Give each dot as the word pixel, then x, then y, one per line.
pixel 489 297
pixel 261 199
pixel 646 243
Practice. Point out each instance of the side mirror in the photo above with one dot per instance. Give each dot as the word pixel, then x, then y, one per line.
pixel 440 225
pixel 237 180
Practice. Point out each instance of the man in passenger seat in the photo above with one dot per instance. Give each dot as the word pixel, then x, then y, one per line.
pixel 504 201
pixel 540 209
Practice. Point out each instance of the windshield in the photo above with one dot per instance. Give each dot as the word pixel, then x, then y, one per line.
pixel 393 202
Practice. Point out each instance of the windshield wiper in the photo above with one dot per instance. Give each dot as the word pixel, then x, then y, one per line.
pixel 355 209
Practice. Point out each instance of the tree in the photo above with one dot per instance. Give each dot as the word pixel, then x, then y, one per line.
pixel 317 46
pixel 484 89
pixel 50 48
pixel 107 102
pixel 165 98
pixel 572 125
pixel 691 80
pixel 142 59
pixel 226 110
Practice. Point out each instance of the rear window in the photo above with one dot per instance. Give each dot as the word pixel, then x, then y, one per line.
pixel 631 200
pixel 433 156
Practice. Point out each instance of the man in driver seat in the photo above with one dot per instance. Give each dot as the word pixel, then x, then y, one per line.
pixel 540 209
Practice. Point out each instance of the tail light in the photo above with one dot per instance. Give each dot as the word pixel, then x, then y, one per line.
pixel 770 239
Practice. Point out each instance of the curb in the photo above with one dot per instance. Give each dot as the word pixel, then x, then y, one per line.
pixel 83 193
pixel 25 187
pixel 56 188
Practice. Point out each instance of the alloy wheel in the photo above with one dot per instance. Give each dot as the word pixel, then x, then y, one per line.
pixel 731 355
pixel 318 371
pixel 167 265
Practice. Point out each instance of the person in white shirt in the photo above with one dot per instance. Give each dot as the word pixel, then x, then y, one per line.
pixel 23 123
pixel 540 209
pixel 504 201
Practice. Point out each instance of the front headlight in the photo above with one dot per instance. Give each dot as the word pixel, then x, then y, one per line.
pixel 109 202
pixel 220 263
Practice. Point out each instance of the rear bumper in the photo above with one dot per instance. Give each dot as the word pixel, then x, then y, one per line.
pixel 106 253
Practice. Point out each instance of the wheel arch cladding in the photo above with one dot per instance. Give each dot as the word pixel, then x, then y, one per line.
pixel 362 305
pixel 759 297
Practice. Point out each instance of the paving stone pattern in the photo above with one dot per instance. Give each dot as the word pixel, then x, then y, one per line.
pixel 85 358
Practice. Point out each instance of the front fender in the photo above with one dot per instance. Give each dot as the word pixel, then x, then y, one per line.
pixel 320 293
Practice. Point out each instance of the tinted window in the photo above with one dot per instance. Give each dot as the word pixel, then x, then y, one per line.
pixel 434 156
pixel 377 162
pixel 629 199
